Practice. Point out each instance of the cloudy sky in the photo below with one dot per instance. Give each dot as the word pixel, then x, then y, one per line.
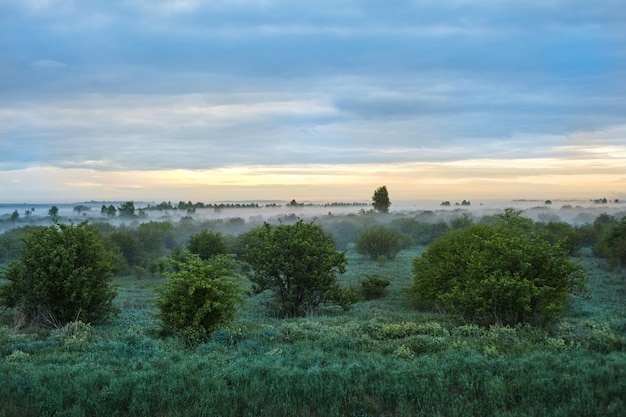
pixel 314 100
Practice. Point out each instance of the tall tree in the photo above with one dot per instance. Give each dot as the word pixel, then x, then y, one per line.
pixel 381 200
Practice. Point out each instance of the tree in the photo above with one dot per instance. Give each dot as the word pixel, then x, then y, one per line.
pixel 53 212
pixel 495 275
pixel 381 241
pixel 63 274
pixel 200 296
pixel 299 263
pixel 127 209
pixel 15 216
pixel 109 211
pixel 206 244
pixel 380 200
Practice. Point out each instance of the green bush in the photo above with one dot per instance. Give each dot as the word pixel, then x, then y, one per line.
pixel 562 234
pixel 200 296
pixel 63 275
pixel 494 275
pixel 612 244
pixel 127 248
pixel 207 244
pixel 381 241
pixel 373 286
pixel 299 263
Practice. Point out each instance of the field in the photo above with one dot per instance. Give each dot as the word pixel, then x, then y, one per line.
pixel 381 358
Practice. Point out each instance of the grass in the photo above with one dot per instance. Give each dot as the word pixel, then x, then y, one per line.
pixel 382 358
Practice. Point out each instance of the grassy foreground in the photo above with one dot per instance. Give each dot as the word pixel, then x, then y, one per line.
pixel 380 359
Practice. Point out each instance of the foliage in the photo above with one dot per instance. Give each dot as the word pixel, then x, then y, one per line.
pixel 380 200
pixel 156 238
pixel 381 241
pixel 12 242
pixel 380 359
pixel 421 232
pixel 513 219
pixel 612 244
pixel 562 234
pixel 298 263
pixel 373 286
pixel 127 209
pixel 200 296
pixel 125 243
pixel 63 274
pixel 53 212
pixel 495 274
pixel 207 244
pixel 109 210
pixel 462 221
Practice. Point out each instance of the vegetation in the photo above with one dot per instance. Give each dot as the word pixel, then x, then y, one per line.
pixel 63 274
pixel 299 264
pixel 612 244
pixel 380 200
pixel 373 286
pixel 495 275
pixel 207 244
pixel 199 296
pixel 381 241
pixel 381 358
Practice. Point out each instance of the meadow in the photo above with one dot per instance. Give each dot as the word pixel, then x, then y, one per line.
pixel 381 358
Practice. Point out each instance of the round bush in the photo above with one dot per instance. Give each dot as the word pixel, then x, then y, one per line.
pixel 63 274
pixel 207 244
pixel 494 275
pixel 381 241
pixel 200 296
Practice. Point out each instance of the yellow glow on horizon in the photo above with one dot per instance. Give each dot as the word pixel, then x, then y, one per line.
pixel 582 177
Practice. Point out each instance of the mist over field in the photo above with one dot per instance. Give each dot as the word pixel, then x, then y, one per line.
pixel 574 212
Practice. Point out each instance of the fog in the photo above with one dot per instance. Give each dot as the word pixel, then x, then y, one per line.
pixel 574 212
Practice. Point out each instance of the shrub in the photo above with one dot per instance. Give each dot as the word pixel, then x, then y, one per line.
pixel 207 244
pixel 126 246
pixel 299 263
pixel 461 222
pixel 373 286
pixel 381 241
pixel 612 244
pixel 63 274
pixel 495 275
pixel 562 234
pixel 200 296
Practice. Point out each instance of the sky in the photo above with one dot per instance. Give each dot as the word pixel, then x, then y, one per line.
pixel 154 100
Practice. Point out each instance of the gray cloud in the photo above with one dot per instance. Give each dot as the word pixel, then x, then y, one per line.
pixel 188 84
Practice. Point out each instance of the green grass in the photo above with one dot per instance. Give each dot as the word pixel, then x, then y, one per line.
pixel 382 358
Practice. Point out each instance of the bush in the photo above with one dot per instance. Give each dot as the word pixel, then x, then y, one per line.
pixel 562 234
pixel 381 241
pixel 299 264
pixel 612 244
pixel 207 244
pixel 200 296
pixel 374 286
pixel 422 233
pixel 494 275
pixel 63 275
